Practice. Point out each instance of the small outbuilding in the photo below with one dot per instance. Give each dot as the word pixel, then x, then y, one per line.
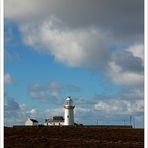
pixel 31 122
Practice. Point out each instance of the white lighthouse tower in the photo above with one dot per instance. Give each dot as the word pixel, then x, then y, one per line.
pixel 69 115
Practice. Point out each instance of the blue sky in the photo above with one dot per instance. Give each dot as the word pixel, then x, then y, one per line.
pixel 71 48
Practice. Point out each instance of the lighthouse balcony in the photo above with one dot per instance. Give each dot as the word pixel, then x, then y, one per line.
pixel 69 107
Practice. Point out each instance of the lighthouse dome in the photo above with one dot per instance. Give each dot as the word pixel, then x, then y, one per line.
pixel 69 101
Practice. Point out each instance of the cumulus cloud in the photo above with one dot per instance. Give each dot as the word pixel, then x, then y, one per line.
pixel 8 80
pixel 112 111
pixel 86 48
pixel 128 61
pixel 74 47
pixel 45 92
pixel 137 50
pixel 126 67
pixel 120 107
pixel 50 91
pixel 12 112
pixel 124 78
pixel 124 18
pixel 11 105
pixel 132 94
pixel 127 102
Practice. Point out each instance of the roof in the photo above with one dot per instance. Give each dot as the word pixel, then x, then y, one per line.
pixel 58 118
pixel 33 120
pixel 68 99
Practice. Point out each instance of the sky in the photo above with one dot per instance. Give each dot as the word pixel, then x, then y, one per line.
pixel 92 51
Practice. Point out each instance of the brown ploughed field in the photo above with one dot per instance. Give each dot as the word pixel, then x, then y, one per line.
pixel 73 137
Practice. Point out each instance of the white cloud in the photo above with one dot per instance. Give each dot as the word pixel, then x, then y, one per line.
pixel 50 91
pixel 23 106
pixel 132 94
pixel 11 105
pixel 124 78
pixel 137 50
pixel 118 107
pixel 82 13
pixel 113 106
pixel 126 66
pixel 136 107
pixel 33 111
pixel 82 110
pixel 45 92
pixel 85 47
pixel 16 10
pixel 8 79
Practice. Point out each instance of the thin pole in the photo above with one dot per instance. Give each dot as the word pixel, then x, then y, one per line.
pixel 130 120
pixel 124 122
pixel 134 122
pixel 97 121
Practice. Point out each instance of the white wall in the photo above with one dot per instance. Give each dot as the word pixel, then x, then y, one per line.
pixel 30 123
pixel 53 123
pixel 69 117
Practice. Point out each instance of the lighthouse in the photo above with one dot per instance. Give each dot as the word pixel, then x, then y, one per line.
pixel 69 114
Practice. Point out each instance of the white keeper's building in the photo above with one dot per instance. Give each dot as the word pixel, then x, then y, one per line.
pixel 55 121
pixel 31 122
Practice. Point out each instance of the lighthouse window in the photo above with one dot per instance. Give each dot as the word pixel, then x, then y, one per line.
pixel 68 116
pixel 67 103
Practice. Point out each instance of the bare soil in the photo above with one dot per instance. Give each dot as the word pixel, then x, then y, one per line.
pixel 73 137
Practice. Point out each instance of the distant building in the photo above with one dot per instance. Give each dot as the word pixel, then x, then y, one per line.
pixel 55 121
pixel 31 122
